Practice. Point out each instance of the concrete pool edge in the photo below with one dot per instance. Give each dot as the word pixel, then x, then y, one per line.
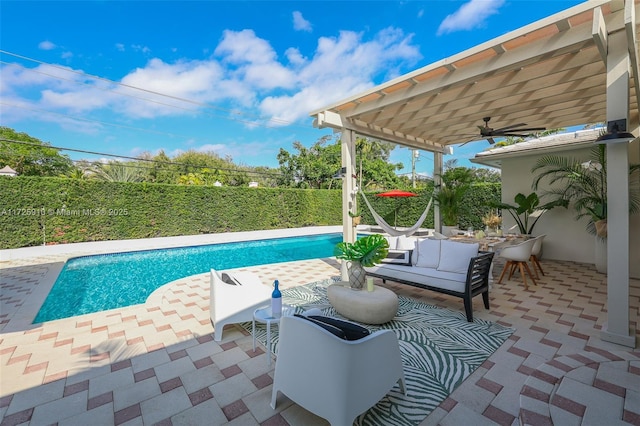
pixel 53 258
pixel 119 246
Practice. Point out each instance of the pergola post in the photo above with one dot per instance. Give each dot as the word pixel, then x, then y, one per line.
pixel 349 194
pixel 437 181
pixel 617 329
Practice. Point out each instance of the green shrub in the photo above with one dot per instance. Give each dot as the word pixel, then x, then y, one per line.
pixel 60 210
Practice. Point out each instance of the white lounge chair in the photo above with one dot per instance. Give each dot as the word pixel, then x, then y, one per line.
pixel 333 378
pixel 230 304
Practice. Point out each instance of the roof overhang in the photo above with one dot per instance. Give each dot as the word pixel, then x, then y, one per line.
pixel 551 73
pixel 546 145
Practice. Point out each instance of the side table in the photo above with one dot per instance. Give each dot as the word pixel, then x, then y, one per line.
pixel 263 316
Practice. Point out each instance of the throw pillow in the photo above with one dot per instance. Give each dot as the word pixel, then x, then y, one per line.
pixel 393 242
pixel 399 257
pixel 428 253
pixel 405 243
pixel 351 331
pixel 229 279
pixel 330 328
pixel 455 256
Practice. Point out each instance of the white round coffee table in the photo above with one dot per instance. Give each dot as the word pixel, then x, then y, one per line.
pixel 368 307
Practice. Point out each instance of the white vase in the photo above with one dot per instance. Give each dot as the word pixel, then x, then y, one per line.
pixel 600 247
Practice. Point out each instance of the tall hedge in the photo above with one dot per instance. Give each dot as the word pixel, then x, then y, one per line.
pixel 58 210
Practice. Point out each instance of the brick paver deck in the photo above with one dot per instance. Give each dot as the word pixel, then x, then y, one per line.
pixel 158 363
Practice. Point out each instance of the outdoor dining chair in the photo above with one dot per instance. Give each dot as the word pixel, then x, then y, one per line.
pixel 517 257
pixel 535 252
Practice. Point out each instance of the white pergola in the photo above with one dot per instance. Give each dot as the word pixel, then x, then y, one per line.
pixel 576 67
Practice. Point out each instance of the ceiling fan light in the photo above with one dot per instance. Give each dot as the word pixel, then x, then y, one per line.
pixel 616 133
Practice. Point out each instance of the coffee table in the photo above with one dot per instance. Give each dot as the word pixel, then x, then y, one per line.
pixel 368 307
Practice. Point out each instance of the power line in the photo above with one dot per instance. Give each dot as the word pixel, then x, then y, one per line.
pixel 131 96
pixel 122 126
pixel 201 104
pixel 171 163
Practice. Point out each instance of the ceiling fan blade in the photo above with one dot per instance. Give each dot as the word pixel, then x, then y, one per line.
pixel 491 141
pixel 528 129
pixel 509 127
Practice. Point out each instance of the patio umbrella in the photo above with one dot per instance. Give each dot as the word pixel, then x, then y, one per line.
pixel 396 193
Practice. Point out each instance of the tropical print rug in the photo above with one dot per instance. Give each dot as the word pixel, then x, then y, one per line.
pixel 440 349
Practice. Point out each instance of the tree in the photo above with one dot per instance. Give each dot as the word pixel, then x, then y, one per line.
pixel 375 171
pixel 30 156
pixel 116 171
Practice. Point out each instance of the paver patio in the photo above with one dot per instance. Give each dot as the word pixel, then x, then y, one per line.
pixel 157 363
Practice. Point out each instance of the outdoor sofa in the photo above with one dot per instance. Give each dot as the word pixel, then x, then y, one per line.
pixel 454 268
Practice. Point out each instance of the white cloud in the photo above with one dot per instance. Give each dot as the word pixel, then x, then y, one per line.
pixel 470 15
pixel 301 24
pixel 120 47
pixel 46 45
pixel 244 74
pixel 140 48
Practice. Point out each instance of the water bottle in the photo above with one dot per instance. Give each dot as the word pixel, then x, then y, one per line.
pixel 276 301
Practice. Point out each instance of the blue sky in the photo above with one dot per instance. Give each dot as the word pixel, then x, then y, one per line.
pixel 233 77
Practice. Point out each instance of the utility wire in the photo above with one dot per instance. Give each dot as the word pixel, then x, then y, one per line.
pixel 171 163
pixel 201 104
pixel 93 87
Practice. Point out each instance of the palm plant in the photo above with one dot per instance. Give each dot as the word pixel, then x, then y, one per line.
pixel 528 210
pixel 584 185
pixel 455 183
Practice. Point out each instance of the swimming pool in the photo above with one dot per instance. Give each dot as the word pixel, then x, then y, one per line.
pixel 97 283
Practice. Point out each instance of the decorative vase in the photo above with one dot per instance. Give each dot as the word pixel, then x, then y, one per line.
pixel 490 232
pixel 357 275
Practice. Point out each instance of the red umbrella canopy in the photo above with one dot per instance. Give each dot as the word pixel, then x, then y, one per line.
pixel 397 193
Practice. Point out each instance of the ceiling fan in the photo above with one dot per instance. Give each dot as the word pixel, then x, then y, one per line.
pixel 515 130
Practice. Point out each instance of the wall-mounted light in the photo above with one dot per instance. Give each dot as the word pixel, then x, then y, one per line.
pixel 616 133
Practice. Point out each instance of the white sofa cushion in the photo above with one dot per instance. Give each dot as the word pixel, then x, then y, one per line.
pixel 455 256
pixel 427 254
pixel 441 279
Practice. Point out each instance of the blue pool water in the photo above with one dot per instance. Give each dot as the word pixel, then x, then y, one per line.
pixel 97 283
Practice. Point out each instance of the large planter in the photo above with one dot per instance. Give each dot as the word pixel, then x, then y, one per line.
pixel 357 275
pixel 601 254
pixel 446 229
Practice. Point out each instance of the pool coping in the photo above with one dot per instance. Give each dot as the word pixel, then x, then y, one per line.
pixel 55 256
pixel 121 246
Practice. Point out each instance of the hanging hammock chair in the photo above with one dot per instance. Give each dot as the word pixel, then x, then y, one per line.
pixel 390 229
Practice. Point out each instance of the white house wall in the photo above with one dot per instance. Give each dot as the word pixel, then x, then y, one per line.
pixel 567 238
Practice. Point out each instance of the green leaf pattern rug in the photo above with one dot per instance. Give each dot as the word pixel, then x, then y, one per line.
pixel 439 350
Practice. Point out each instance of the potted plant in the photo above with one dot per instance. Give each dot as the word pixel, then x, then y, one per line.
pixel 455 183
pixel 365 251
pixel 356 217
pixel 583 185
pixel 527 210
pixel 492 222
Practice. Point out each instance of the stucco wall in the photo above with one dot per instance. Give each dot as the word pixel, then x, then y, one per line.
pixel 567 239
